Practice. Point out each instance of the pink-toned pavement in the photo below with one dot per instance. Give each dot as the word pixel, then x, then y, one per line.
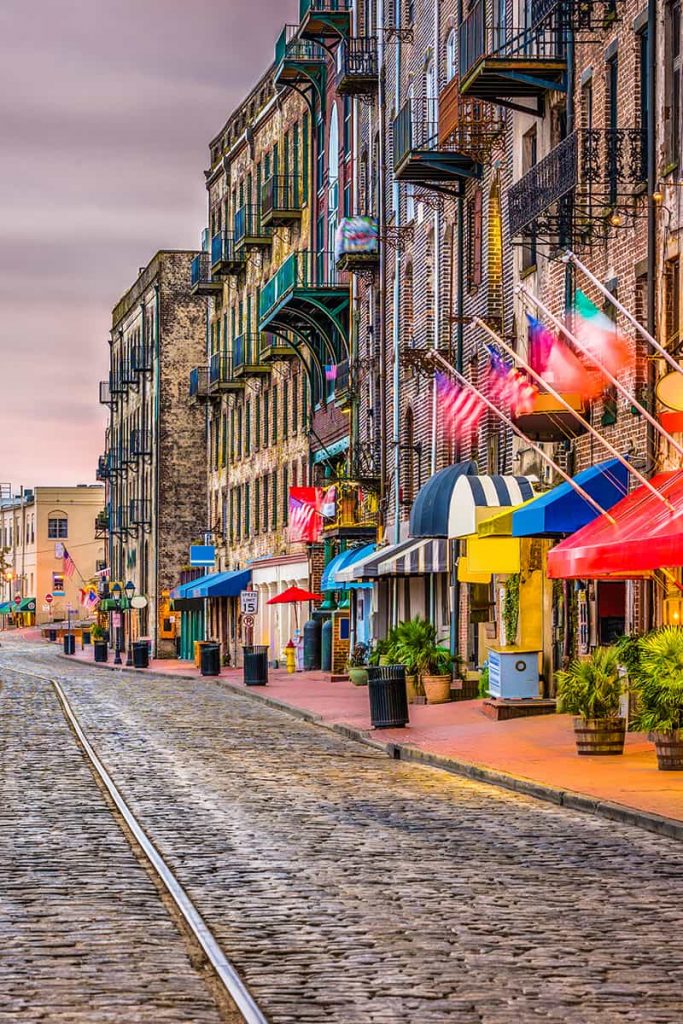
pixel 540 750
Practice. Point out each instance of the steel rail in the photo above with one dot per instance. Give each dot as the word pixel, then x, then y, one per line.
pixel 233 984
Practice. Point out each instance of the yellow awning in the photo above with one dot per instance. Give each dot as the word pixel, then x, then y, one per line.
pixel 500 524
pixel 500 555
pixel 465 574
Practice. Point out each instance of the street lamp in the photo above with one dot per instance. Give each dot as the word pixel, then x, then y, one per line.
pixel 130 591
pixel 116 594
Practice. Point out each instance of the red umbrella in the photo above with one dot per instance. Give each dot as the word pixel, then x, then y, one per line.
pixel 294 594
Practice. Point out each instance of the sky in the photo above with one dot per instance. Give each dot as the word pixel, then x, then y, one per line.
pixel 107 108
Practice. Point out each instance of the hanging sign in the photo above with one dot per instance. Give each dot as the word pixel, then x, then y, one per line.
pixel 203 555
pixel 139 601
pixel 670 391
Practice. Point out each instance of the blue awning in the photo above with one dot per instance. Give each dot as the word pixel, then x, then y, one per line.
pixel 221 584
pixel 429 514
pixel 184 588
pixel 342 561
pixel 562 510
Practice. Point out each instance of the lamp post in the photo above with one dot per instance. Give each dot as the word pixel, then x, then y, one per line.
pixel 130 591
pixel 116 594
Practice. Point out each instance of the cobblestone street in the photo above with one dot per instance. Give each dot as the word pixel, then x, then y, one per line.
pixel 345 887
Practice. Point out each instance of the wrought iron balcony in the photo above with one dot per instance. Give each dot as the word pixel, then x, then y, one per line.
pixel 246 354
pixel 325 19
pixel 357 66
pixel 117 385
pixel 250 233
pixel 201 282
pixel 222 378
pixel 366 462
pixel 225 258
pixel 199 383
pixel 504 63
pixel 141 357
pixel 140 443
pixel 274 348
pixel 106 396
pixel 356 514
pixel 299 61
pixel 421 153
pixel 595 167
pixel 281 200
pixel 101 524
pixel 128 373
pixel 312 271
pixel 342 384
pixel 117 462
pixel 119 521
pixel 140 512
pixel 550 421
pixel 102 472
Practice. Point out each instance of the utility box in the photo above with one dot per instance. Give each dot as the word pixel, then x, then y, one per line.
pixel 513 673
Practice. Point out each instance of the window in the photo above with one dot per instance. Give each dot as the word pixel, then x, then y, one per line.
pixel 410 11
pixel 257 505
pixel 672 85
pixel 238 528
pixel 274 412
pixel 672 308
pixel 266 419
pixel 529 159
pixel 644 80
pixel 295 403
pixel 612 119
pixel 58 583
pixel 57 526
pixel 247 510
pixel 320 155
pixel 451 55
pixel 475 233
pixel 285 495
pixel 285 408
pixel 273 503
pixel 347 134
pixel 408 306
pixel 305 137
pixel 266 495
pixel 257 423
pixel 247 430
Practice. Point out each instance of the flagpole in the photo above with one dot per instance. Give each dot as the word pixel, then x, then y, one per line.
pixel 563 402
pixel 610 376
pixel 569 257
pixel 434 355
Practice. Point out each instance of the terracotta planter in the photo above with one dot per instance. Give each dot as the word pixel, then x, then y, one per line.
pixel 600 736
pixel 358 676
pixel 669 748
pixel 413 690
pixel 437 689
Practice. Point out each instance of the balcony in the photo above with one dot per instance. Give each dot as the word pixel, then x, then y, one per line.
pixel 578 182
pixel 342 385
pixel 119 521
pixel 140 513
pixel 299 62
pixel 281 200
pixel 274 348
pixel 503 63
pixel 141 358
pixel 106 396
pixel 225 258
pixel 549 421
pixel 308 295
pixel 246 354
pixel 325 19
pixel 199 383
pixel 117 463
pixel 222 378
pixel 102 472
pixel 128 374
pixel 249 230
pixel 421 153
pixel 116 383
pixel 357 66
pixel 101 524
pixel 141 444
pixel 201 282
pixel 356 515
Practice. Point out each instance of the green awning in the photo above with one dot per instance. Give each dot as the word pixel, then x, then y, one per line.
pixel 27 605
pixel 7 608
pixel 110 604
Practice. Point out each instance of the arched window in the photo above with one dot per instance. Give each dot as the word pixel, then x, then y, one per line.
pixel 408 306
pixel 408 458
pixel 57 525
pixel 451 55
pixel 432 101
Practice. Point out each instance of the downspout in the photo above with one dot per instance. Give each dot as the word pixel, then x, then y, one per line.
pixel 380 413
pixel 396 338
pixel 155 449
pixel 437 306
pixel 651 205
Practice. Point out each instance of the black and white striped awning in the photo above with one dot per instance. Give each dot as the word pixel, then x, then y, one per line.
pixel 471 495
pixel 420 558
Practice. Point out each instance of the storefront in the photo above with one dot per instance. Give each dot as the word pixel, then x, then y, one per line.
pixel 275 624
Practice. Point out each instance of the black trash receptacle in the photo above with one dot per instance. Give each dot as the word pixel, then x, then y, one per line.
pixel 388 697
pixel 211 659
pixel 69 643
pixel 140 654
pixel 255 665
pixel 86 637
pixel 101 650
pixel 52 635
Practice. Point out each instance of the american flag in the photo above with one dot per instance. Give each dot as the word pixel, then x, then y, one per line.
pixel 461 407
pixel 68 564
pixel 331 371
pixel 305 521
pixel 509 386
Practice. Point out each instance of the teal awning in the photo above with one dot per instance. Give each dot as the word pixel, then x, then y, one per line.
pixel 220 584
pixel 341 561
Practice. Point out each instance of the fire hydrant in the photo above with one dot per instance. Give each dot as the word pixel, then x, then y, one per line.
pixel 290 657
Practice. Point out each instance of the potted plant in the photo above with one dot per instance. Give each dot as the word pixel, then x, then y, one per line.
pixel 416 648
pixel 406 643
pixel 659 695
pixel 357 664
pixel 99 642
pixel 590 689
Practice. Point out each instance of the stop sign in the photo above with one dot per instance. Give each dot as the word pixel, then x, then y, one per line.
pixel 49 598
pixel 17 598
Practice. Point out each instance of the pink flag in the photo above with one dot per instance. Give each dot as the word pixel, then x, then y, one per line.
pixel 461 407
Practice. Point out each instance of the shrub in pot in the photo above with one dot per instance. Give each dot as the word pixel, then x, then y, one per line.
pixel 416 648
pixel 590 689
pixel 98 637
pixel 357 664
pixel 406 644
pixel 659 695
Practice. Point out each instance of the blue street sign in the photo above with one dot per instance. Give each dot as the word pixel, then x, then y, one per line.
pixel 202 554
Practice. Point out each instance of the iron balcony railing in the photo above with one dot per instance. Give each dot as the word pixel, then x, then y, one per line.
pixel 117 463
pixel 117 384
pixel 119 520
pixel 281 192
pixel 342 381
pixel 141 357
pixel 357 59
pixel 323 7
pixel 599 164
pixel 220 369
pixel 199 382
pixel 128 373
pixel 200 269
pixel 272 344
pixel 291 48
pixel 102 522
pixel 103 471
pixel 483 35
pixel 246 350
pixel 106 397
pixel 248 224
pixel 140 513
pixel 305 269
pixel 223 251
pixel 140 443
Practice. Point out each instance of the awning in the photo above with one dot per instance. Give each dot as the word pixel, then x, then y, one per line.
pixel 471 496
pixel 183 590
pixel 645 536
pixel 111 604
pixel 500 523
pixel 501 555
pixel 422 557
pixel 429 514
pixel 344 559
pixel 28 604
pixel 221 584
pixel 7 608
pixel 563 511
pixel 368 568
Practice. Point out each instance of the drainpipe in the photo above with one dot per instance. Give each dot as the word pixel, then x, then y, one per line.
pixel 651 205
pixel 396 313
pixel 437 304
pixel 155 449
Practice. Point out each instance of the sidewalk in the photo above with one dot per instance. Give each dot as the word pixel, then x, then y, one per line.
pixel 532 755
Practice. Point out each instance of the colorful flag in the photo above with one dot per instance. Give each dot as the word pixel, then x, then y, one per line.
pixel 558 365
pixel 461 407
pixel 600 335
pixel 69 565
pixel 509 386
pixel 305 520
pixel 331 371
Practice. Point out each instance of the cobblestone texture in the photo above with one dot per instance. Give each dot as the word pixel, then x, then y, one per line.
pixel 350 888
pixel 84 934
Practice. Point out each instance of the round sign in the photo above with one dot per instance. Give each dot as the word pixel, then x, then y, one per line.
pixel 248 621
pixel 670 391
pixel 138 601
pixel 49 598
pixel 17 598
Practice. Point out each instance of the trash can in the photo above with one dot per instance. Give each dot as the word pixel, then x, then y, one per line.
pixel 388 697
pixel 255 665
pixel 69 643
pixel 141 654
pixel 101 650
pixel 211 659
pixel 52 635
pixel 198 644
pixel 85 637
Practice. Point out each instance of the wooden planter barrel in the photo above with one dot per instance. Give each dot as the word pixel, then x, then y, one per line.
pixel 669 747
pixel 437 689
pixel 596 736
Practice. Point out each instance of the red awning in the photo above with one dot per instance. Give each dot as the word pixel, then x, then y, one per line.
pixel 645 536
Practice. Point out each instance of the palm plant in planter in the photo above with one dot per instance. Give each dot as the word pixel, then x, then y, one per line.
pixel 590 689
pixel 415 646
pixel 659 693
pixel 357 664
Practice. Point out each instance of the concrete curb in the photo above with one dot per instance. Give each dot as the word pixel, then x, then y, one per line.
pixel 621 813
